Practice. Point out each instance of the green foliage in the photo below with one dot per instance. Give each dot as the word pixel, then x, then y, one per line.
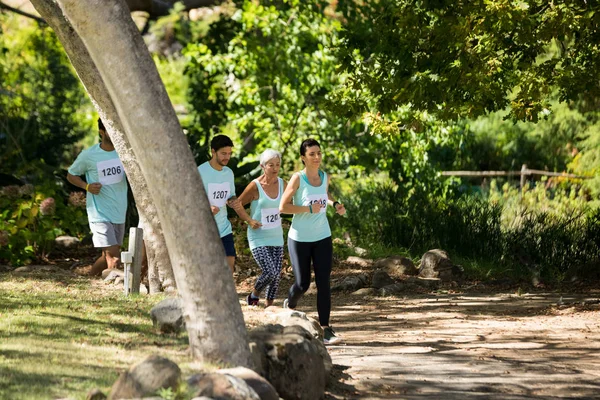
pixel 31 218
pixel 43 108
pixel 467 58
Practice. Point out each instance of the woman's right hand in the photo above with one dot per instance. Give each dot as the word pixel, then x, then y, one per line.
pixel 316 208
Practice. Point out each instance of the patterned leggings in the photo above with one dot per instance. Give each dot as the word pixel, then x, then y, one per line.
pixel 269 259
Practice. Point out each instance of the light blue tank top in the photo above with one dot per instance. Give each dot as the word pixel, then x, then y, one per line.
pixel 307 227
pixel 266 211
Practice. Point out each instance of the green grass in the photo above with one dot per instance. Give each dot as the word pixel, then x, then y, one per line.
pixel 62 335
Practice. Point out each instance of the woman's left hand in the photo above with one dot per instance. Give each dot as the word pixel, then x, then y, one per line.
pixel 254 224
pixel 340 209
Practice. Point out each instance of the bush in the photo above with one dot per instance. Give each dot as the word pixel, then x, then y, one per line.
pixel 32 217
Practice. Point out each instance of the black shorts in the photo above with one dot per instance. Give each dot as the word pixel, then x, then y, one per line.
pixel 228 245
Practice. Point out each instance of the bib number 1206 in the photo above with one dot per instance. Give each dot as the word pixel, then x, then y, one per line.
pixel 111 171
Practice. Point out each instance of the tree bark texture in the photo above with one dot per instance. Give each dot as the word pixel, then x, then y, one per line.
pixel 160 272
pixel 213 315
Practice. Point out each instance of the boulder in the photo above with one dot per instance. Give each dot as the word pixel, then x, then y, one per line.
pixel 261 386
pixel 167 316
pixel 396 266
pixel 361 262
pixel 286 317
pixel 146 378
pixel 295 363
pixel 365 292
pixel 351 283
pixel 66 242
pixel 23 270
pixel 221 386
pixel 95 394
pixel 436 264
pixel 381 279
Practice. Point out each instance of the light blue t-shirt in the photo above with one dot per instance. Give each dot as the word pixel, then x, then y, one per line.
pixel 110 205
pixel 266 211
pixel 307 227
pixel 219 187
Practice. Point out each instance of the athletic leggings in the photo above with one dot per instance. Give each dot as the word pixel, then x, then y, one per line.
pixel 321 255
pixel 269 259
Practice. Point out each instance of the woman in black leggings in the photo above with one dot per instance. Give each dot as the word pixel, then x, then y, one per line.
pixel 309 238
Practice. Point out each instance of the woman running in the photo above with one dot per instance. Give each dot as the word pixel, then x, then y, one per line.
pixel 309 238
pixel 265 237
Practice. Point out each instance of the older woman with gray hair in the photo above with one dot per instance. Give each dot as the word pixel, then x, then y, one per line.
pixel 265 235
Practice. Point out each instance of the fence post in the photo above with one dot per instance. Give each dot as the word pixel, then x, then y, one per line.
pixel 136 237
pixel 523 173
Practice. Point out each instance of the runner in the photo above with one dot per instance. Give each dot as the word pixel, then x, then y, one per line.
pixel 309 238
pixel 218 183
pixel 106 200
pixel 266 237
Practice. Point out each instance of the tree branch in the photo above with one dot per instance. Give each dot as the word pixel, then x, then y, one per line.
pixel 23 13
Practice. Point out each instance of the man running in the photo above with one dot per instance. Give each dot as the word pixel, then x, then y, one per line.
pixel 106 200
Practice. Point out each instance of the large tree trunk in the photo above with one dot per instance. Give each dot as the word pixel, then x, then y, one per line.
pixel 160 270
pixel 214 320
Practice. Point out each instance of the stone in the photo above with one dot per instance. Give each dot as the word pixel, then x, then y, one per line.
pixel 296 364
pixel 360 251
pixel 428 283
pixel 351 283
pixel 23 270
pixel 95 394
pixel 167 316
pixel 146 378
pixel 381 279
pixel 436 264
pixel 361 262
pixel 109 275
pixel 365 292
pixel 119 280
pixel 261 386
pixel 286 317
pixel 66 242
pixel 396 266
pixel 392 290
pixel 221 386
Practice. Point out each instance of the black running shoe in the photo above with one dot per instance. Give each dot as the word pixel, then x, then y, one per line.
pixel 251 301
pixel 329 336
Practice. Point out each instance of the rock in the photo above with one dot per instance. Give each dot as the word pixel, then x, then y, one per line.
pixel 261 386
pixel 351 283
pixel 365 292
pixel 221 386
pixel 146 378
pixel 143 289
pixel 436 264
pixel 397 266
pixel 361 262
pixel 295 363
pixel 66 242
pixel 381 279
pixel 167 315
pixel 95 394
pixel 23 270
pixel 392 290
pixel 428 283
pixel 111 274
pixel 119 280
pixel 360 251
pixel 286 317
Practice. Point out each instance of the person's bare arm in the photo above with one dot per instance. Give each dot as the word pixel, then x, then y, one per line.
pixel 93 188
pixel 236 204
pixel 250 194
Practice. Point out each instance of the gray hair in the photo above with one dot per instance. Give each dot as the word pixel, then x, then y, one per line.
pixel 267 155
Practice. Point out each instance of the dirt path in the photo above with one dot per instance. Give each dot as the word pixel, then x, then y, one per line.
pixel 466 346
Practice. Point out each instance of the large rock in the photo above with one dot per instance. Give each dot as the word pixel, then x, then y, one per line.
pixel 396 266
pixel 381 279
pixel 436 264
pixel 351 283
pixel 66 242
pixel 261 386
pixel 286 317
pixel 221 386
pixel 146 378
pixel 167 316
pixel 359 261
pixel 295 363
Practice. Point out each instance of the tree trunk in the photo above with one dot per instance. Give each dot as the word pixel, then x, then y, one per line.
pixel 214 320
pixel 158 256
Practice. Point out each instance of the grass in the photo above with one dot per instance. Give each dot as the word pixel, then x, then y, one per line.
pixel 60 336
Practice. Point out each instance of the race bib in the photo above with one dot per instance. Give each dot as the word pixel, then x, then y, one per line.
pixel 318 198
pixel 110 171
pixel 218 193
pixel 270 218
